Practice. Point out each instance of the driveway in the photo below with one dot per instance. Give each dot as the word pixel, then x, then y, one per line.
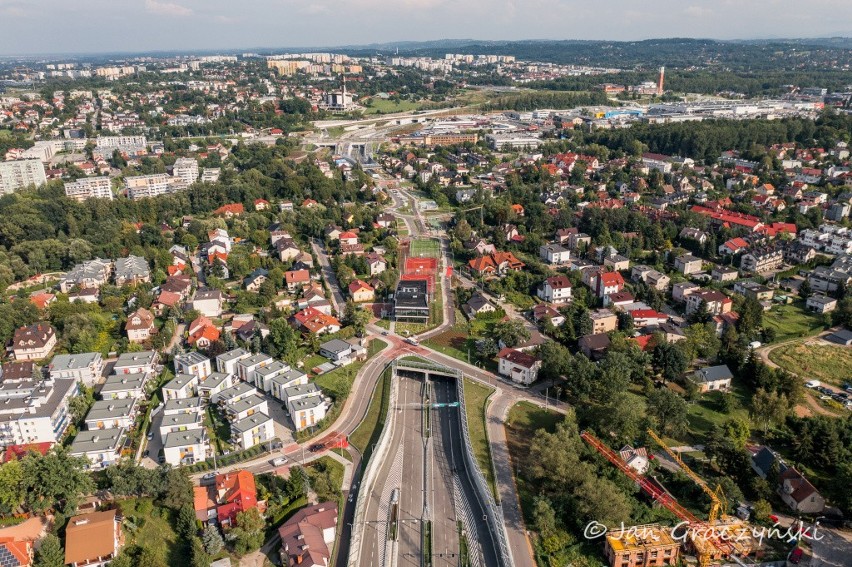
pixel 833 550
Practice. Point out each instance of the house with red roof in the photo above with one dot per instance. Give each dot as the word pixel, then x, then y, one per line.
pixel 608 283
pixel 230 210
pixel 261 204
pixel 308 536
pixel 733 247
pixel 296 278
pixel 498 263
pixel 518 365
pixel 647 317
pixel 316 322
pixel 232 493
pixel 725 218
pixel 348 238
pixel 361 291
pixel 202 332
pixel 42 300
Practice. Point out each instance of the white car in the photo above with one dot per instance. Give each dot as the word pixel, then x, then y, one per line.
pixel 812 384
pixel 278 461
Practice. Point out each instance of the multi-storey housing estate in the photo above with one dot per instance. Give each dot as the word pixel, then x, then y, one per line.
pixel 186 169
pixel 762 260
pixel 33 410
pixel 18 174
pixel 829 238
pixel 154 185
pixel 89 188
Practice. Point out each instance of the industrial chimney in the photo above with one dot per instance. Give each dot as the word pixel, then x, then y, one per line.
pixel 660 84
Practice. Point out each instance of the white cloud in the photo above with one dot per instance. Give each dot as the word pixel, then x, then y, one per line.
pixel 698 11
pixel 166 8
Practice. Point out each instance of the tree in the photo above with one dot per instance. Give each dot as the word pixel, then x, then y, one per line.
pixel 670 360
pixel 768 408
pixel 511 333
pixel 212 540
pixel 668 409
pixel 623 415
pixel 555 360
pixel 49 553
pixel 11 486
pixel 176 488
pixel 600 499
pixel 555 457
pixel 357 316
pixel 762 510
pixel 805 289
pixel 751 316
pixel 248 533
pixel 283 339
pixel 55 478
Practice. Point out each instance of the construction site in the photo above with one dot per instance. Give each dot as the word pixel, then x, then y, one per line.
pixel 720 538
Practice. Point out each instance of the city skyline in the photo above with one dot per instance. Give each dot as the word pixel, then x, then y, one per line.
pixel 97 26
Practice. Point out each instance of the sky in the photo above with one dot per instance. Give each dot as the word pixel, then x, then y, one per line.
pixel 98 26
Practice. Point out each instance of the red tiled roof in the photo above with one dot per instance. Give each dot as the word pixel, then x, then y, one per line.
pixel 231 208
pixel 517 357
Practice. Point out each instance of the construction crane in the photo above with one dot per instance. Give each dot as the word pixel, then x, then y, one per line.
pixel 706 547
pixel 719 504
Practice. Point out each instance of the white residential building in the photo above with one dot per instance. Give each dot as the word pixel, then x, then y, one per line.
pixel 193 363
pixel 180 422
pixel 186 169
pixel 247 366
pixel 184 405
pixel 122 386
pixel 135 362
pixel 89 188
pixel 102 447
pixel 215 383
pixel 86 368
pixel 185 447
pixel 555 289
pixel 554 254
pixel 154 185
pixel 181 387
pixel 18 174
pixel 112 414
pixel 227 361
pixel 252 430
pixel 31 410
pixel 519 366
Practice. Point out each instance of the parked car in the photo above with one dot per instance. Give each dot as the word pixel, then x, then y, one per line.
pixel 812 384
pixel 150 435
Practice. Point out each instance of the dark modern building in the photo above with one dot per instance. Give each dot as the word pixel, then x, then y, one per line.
pixel 411 301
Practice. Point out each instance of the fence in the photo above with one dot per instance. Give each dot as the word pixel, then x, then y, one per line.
pixel 367 481
pixel 493 512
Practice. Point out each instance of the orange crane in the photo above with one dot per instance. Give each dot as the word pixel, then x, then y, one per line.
pixel 719 504
pixel 706 547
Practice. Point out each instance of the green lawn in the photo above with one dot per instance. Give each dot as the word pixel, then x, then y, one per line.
pixel 425 247
pixel 370 428
pixel 706 412
pixel 827 363
pixel 792 321
pixel 382 106
pixel 218 429
pixel 150 527
pixel 476 401
pixel 338 384
pixel 523 421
